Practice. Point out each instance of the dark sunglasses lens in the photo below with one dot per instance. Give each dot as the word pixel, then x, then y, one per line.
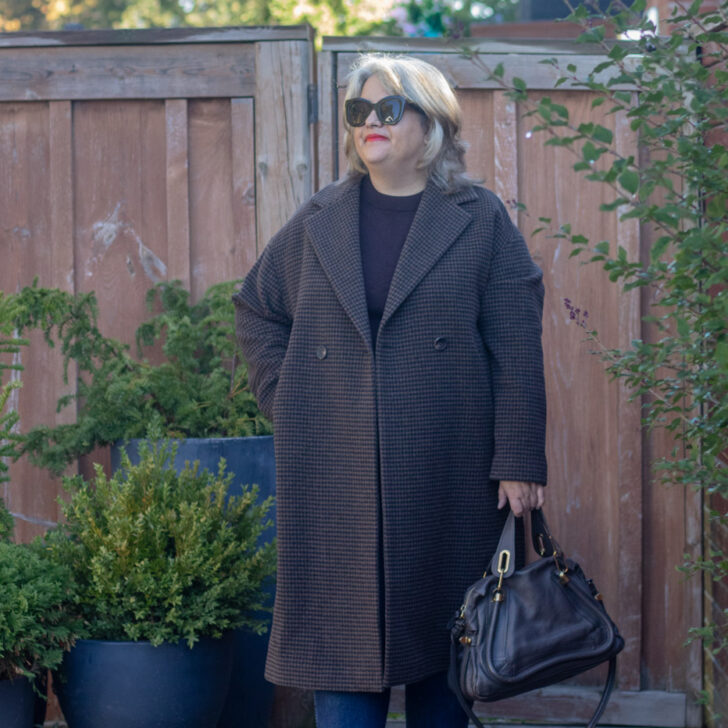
pixel 357 111
pixel 390 109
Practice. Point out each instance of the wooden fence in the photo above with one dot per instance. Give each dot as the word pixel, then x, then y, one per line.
pixel 130 157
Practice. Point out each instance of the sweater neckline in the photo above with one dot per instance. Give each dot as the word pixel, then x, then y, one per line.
pixel 371 198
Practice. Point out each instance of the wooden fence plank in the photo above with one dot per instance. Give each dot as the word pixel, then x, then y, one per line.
pixel 243 185
pixel 147 36
pixel 341 163
pixel 61 193
pixel 282 144
pixel 671 604
pixel 463 72
pixel 511 46
pixel 211 208
pixel 505 151
pixel 327 130
pixel 178 208
pixel 35 149
pixel 121 207
pixel 477 132
pixel 583 495
pixel 127 72
pixel 629 444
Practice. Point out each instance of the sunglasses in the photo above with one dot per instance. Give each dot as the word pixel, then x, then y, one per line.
pixel 389 110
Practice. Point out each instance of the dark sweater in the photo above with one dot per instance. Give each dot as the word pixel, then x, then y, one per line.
pixel 384 221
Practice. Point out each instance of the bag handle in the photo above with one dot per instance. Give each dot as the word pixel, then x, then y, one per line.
pixel 544 544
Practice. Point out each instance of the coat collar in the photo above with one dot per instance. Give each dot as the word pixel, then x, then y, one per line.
pixel 334 232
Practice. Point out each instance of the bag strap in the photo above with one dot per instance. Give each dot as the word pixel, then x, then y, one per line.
pixel 454 684
pixel 544 544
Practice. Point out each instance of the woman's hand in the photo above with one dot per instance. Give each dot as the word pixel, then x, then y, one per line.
pixel 522 497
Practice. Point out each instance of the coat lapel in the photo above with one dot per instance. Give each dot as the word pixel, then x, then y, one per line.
pixel 334 234
pixel 438 222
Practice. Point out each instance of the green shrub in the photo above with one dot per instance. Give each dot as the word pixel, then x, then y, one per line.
pixel 163 556
pixel 198 390
pixel 677 187
pixel 35 624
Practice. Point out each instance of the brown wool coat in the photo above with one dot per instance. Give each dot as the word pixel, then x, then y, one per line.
pixel 388 461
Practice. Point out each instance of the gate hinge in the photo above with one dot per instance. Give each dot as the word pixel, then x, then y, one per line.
pixel 312 103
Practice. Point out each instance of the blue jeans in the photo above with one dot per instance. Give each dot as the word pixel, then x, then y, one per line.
pixel 429 704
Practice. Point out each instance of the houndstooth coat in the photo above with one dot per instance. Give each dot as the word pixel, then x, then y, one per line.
pixel 388 460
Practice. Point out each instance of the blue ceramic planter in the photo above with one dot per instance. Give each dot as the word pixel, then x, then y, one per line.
pixel 136 685
pixel 17 702
pixel 251 459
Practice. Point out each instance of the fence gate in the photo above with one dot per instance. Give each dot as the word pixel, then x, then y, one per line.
pixel 606 512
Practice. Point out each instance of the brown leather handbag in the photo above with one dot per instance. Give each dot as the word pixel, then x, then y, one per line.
pixel 518 630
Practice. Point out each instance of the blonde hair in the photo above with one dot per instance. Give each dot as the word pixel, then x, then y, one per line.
pixel 423 85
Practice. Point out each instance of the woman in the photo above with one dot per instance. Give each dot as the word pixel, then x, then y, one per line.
pixel 392 333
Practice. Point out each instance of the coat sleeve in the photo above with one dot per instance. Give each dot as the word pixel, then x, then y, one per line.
pixel 510 323
pixel 263 314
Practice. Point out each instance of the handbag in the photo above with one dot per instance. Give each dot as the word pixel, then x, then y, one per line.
pixel 518 630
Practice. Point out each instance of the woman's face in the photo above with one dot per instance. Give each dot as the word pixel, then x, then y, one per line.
pixel 389 151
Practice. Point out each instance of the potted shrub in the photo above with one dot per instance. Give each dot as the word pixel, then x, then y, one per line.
pixel 192 385
pixel 164 565
pixel 35 627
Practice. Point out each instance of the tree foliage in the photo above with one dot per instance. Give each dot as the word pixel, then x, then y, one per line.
pixel 328 17
pixel 679 190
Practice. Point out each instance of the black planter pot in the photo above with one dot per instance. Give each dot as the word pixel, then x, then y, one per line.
pixel 136 685
pixel 17 703
pixel 251 459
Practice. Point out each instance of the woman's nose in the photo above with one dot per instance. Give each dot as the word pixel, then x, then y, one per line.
pixel 373 119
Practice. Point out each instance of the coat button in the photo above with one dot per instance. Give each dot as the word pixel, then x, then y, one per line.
pixel 440 343
pixel 321 352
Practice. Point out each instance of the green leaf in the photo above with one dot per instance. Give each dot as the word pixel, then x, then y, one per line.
pixel 721 353
pixel 586 128
pixel 612 206
pixel 593 35
pixel 717 206
pixel 602 134
pixel 602 66
pixel 518 83
pixel 590 152
pixel 630 180
pixel 659 248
